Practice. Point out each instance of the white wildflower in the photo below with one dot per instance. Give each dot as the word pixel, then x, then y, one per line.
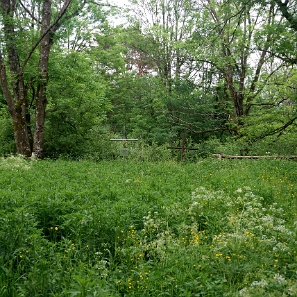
pixel 280 247
pixel 242 291
pixel 283 229
pixel 262 283
pixel 279 278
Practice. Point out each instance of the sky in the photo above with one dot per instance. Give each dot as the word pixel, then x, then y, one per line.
pixel 118 2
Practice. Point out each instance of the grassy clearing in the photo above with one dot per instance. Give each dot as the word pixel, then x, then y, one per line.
pixel 213 228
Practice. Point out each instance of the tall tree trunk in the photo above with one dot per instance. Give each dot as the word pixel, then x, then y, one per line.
pixel 45 46
pixel 17 110
pixel 15 91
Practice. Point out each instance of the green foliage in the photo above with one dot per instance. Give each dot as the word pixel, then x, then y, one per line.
pixel 108 54
pixel 143 152
pixel 147 229
pixel 272 123
pixel 139 105
pixel 7 145
pixel 77 106
pixel 163 78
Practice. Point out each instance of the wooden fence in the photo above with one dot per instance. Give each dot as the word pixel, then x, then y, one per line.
pixel 222 156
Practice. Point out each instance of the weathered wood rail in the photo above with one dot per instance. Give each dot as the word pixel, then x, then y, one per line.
pixel 222 156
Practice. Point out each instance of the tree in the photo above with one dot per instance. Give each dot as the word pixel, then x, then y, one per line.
pixel 290 15
pixel 165 26
pixel 133 92
pixel 239 65
pixel 76 106
pixel 160 46
pixel 29 32
pixel 285 47
pixel 13 83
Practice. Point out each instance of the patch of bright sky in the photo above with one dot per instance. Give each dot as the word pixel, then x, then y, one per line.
pixel 119 2
pixel 122 4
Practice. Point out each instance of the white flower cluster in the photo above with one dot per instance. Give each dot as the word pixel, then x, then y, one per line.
pixel 262 283
pixel 279 278
pixel 258 288
pixel 249 224
pixel 158 239
pixel 15 163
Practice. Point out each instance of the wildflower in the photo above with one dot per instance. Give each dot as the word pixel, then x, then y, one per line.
pixel 196 238
pixel 242 291
pixel 279 278
pixel 262 283
pixel 56 228
pixel 219 255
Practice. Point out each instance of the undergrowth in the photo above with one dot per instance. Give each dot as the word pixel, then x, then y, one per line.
pixel 210 228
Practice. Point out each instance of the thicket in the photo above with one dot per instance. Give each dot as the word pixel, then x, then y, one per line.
pixel 226 79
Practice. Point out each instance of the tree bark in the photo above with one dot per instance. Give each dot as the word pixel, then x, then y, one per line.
pixel 45 46
pixel 15 92
pixel 46 33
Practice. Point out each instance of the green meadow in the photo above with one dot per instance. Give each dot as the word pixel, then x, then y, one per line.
pixel 209 228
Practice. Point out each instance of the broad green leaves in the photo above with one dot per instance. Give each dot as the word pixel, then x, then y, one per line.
pixel 77 103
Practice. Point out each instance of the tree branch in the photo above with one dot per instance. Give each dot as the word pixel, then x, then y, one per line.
pixel 192 128
pixel 60 15
pixel 283 7
pixel 29 12
pixel 277 130
pixel 101 4
pixel 286 59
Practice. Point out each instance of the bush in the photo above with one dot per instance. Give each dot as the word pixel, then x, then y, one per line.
pixel 7 144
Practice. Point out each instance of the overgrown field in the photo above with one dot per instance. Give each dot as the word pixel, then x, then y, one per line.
pixel 213 228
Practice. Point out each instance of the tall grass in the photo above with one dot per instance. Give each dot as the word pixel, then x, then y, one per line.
pixel 210 228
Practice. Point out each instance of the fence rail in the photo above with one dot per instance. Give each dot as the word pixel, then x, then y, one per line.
pixel 222 156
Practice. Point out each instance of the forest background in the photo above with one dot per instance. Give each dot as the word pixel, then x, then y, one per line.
pixel 222 73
